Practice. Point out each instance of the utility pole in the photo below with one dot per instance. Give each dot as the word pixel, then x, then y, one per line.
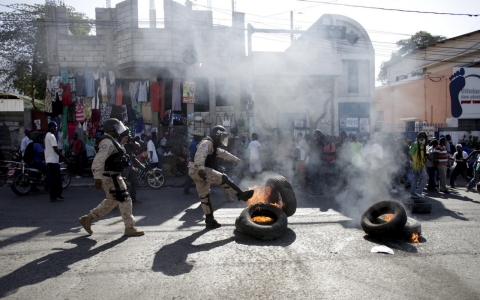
pixel 291 25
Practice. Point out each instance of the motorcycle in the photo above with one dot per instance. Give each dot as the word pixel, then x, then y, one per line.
pixel 153 176
pixel 87 166
pixel 22 179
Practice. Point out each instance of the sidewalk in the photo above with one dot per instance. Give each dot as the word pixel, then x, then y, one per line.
pixel 88 181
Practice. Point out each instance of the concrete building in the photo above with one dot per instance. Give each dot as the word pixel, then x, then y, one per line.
pixel 421 89
pixel 324 80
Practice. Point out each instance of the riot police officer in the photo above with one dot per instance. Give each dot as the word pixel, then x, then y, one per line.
pixel 107 167
pixel 202 171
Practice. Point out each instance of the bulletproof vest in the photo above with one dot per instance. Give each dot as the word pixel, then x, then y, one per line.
pixel 116 162
pixel 211 160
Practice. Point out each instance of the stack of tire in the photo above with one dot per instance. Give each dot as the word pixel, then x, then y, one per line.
pixel 282 194
pixel 374 224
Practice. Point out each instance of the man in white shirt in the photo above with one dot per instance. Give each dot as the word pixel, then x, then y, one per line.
pixel 255 164
pixel 25 141
pixel 52 158
pixel 152 152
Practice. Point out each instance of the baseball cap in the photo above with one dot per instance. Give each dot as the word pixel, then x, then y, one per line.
pixel 27 130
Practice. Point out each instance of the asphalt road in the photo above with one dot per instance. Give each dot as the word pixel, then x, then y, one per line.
pixel 45 254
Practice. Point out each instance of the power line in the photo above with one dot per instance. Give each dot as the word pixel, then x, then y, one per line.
pixel 393 9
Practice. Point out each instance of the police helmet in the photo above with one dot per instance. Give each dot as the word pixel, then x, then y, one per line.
pixel 219 135
pixel 114 125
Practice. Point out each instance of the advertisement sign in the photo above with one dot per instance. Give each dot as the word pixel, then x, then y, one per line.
pixel 352 122
pixel 465 93
pixel 188 92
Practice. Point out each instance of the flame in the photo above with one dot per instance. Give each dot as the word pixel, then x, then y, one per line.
pixel 260 195
pixel 388 217
pixel 262 219
pixel 414 238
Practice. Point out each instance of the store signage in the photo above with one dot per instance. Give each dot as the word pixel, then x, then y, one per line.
pixel 465 93
pixel 188 92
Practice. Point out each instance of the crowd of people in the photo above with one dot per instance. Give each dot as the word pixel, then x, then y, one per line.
pixel 318 162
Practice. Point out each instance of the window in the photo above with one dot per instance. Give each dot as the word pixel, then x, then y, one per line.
pixel 224 91
pixel 469 124
pixel 202 97
pixel 352 73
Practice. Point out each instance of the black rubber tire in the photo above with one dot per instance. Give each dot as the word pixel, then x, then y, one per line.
pixel 369 218
pixel 156 179
pixel 66 178
pixel 269 231
pixel 19 177
pixel 411 226
pixel 281 186
pixel 419 208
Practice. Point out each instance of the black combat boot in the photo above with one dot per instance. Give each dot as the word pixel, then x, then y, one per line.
pixel 242 195
pixel 211 222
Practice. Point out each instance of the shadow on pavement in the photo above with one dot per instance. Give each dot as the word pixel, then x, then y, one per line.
pixel 171 259
pixel 287 239
pixel 52 265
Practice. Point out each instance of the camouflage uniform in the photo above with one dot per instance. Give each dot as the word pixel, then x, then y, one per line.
pixel 105 149
pixel 204 149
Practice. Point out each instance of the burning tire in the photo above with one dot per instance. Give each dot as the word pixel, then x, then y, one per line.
pixel 397 222
pixel 282 191
pixel 411 226
pixel 272 227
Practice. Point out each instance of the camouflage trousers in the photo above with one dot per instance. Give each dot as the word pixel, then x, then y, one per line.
pixel 203 187
pixel 110 202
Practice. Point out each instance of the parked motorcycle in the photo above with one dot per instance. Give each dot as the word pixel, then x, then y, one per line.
pixel 87 166
pixel 153 176
pixel 22 178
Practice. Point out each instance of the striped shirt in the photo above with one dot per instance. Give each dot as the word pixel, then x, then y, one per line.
pixel 442 155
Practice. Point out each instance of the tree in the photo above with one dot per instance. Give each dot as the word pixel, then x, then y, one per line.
pixel 407 47
pixel 23 47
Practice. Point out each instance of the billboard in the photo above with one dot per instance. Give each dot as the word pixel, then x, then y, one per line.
pixel 465 93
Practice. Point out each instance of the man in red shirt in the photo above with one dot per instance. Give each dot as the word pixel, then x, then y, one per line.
pixel 77 148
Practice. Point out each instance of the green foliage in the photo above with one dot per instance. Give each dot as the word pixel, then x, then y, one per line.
pixel 406 47
pixel 78 23
pixel 23 47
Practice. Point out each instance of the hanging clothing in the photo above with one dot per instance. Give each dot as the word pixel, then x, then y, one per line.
pixel 103 89
pixel 139 128
pixel 124 114
pixel 80 84
pixel 176 96
pixel 87 108
pixel 142 91
pixel 138 110
pixel 89 84
pixel 57 107
pixel 155 96
pixel 71 114
pixel 111 77
pixel 92 128
pixel 133 87
pixel 96 115
pixel 81 135
pixel 64 75
pixel 79 111
pixel 116 112
pixel 72 81
pixel 65 129
pixel 112 94
pixel 96 100
pixel 66 96
pixel 119 95
pixel 147 112
pixel 105 112
pixel 71 130
pixel 131 114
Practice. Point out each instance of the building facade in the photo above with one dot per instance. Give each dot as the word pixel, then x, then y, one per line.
pixel 324 80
